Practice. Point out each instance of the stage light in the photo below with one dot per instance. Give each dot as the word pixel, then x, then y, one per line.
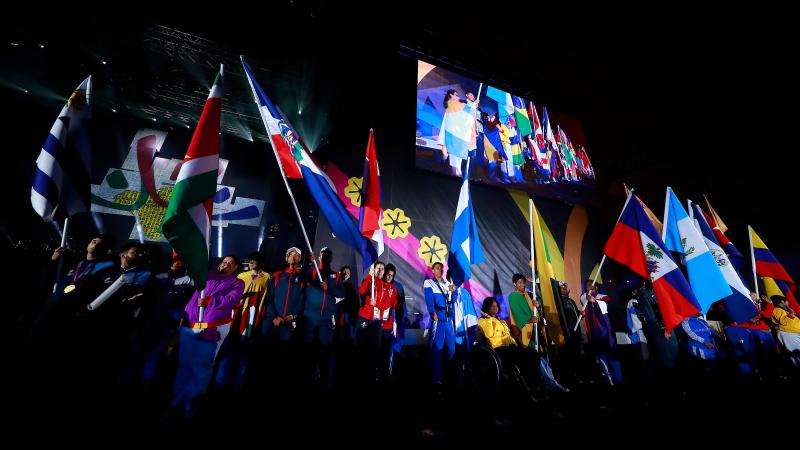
pixel 15 44
pixel 41 45
pixel 113 110
pixel 300 112
pixel 25 91
pixel 187 126
pixel 154 119
pixel 104 63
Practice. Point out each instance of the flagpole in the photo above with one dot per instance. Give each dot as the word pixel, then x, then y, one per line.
pixel 60 266
pixel 603 260
pixel 294 203
pixel 666 211
pixel 139 229
pixel 533 276
pixel 753 259
pixel 285 182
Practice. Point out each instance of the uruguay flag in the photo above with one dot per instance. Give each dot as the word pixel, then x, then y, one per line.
pixel 369 219
pixel 299 162
pixel 738 305
pixel 465 245
pixel 636 244
pixel 63 168
pixel 681 236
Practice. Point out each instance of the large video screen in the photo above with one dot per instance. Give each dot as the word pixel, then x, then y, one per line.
pixel 501 138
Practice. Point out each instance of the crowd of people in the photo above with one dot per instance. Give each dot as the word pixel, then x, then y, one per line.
pixel 128 323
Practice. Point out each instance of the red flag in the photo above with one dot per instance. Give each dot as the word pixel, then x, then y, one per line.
pixel 369 220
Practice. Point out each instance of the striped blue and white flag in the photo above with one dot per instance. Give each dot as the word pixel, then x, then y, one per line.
pixel 465 245
pixel 61 184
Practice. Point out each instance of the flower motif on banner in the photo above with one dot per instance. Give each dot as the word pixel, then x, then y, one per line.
pixel 432 250
pixel 395 223
pixel 353 190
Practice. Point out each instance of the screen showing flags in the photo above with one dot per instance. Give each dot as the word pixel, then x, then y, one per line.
pixel 459 118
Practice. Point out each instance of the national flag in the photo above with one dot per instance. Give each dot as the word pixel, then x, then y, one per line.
pixel 681 236
pixel 319 185
pixel 465 244
pixel 738 305
pixel 537 141
pixel 521 116
pixel 369 220
pixel 187 222
pixel 636 244
pixel 61 183
pixel 767 265
pixel 544 268
pixel 465 314
pixel 735 256
pixel 717 218
pixel 505 107
pixel 458 131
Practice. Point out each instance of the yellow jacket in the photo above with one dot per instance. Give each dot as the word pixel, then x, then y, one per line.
pixel 782 319
pixel 496 332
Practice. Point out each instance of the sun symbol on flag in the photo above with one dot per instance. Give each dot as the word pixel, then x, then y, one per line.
pixel 395 223
pixel 432 250
pixel 353 190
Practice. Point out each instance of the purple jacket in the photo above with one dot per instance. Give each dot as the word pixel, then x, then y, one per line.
pixel 225 292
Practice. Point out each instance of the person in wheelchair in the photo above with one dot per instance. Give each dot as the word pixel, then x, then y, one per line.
pixel 496 351
pixel 496 334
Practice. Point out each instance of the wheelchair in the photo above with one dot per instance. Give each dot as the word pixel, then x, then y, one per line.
pixel 488 373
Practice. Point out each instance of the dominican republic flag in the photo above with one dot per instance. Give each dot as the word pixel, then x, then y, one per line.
pixel 636 244
pixel 295 159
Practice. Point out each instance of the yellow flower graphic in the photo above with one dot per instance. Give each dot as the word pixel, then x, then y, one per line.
pixel 395 223
pixel 432 250
pixel 353 190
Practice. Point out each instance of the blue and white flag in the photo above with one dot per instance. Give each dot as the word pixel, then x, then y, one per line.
pixel 681 236
pixel 465 314
pixel 465 245
pixel 738 305
pixel 61 184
